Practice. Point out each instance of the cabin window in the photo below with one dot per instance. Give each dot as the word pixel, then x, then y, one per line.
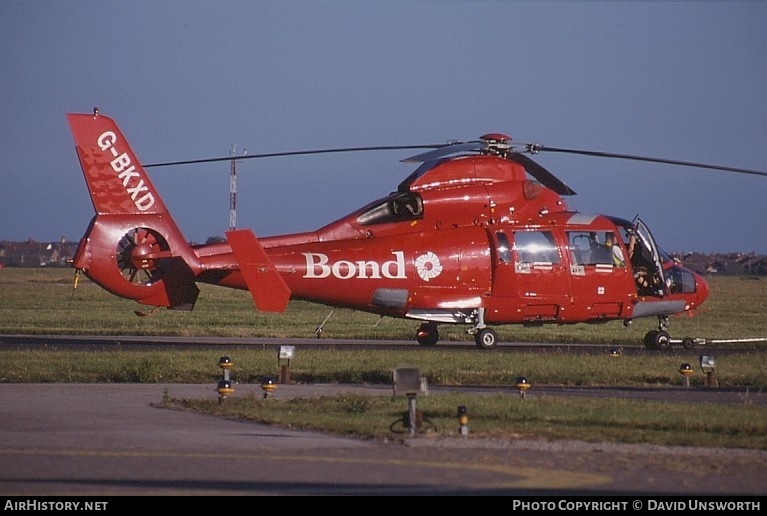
pixel 504 250
pixel 536 247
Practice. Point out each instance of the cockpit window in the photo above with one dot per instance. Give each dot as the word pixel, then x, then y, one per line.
pixel 593 248
pixel 397 207
pixel 680 280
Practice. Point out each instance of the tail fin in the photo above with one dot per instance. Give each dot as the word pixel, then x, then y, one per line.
pixel 132 247
pixel 269 291
pixel 117 182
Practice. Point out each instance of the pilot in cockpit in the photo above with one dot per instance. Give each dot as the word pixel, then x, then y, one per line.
pixel 616 253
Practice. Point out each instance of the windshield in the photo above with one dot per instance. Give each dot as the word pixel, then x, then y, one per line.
pixel 394 208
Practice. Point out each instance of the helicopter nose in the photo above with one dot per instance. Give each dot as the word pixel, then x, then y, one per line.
pixel 701 289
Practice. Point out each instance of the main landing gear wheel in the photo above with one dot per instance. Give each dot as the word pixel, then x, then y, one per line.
pixel 657 339
pixel 427 335
pixel 486 338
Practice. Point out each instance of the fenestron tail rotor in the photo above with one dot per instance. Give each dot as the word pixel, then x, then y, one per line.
pixel 139 253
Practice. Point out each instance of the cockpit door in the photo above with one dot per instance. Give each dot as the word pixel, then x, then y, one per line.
pixel 644 235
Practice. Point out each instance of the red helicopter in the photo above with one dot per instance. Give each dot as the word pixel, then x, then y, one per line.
pixel 479 235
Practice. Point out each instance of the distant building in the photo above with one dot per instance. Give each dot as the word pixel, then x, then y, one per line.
pixel 36 254
pixel 725 264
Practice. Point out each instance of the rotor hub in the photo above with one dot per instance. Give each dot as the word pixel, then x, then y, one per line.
pixel 496 143
pixel 141 256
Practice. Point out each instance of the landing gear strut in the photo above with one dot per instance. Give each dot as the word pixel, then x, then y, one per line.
pixel 484 337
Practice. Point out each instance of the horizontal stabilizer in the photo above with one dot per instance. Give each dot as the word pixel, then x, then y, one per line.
pixel 269 291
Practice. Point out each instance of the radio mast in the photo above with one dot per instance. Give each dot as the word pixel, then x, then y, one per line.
pixel 233 191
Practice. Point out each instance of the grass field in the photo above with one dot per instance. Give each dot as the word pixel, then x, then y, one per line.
pixel 42 301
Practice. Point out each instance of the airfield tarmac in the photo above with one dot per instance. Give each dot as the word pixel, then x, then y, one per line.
pixel 61 440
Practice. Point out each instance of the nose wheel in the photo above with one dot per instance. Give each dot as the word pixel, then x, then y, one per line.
pixel 657 339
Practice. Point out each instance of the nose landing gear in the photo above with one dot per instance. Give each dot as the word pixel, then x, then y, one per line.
pixel 660 338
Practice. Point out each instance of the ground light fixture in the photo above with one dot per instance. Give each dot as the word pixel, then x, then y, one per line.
pixel 463 420
pixel 226 364
pixel 268 385
pixel 686 371
pixel 522 386
pixel 224 387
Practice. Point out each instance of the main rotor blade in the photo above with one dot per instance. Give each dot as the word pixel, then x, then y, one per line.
pixel 545 177
pixel 541 148
pixel 294 153
pixel 444 150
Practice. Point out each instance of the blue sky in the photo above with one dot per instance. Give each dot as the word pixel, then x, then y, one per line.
pixel 187 80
